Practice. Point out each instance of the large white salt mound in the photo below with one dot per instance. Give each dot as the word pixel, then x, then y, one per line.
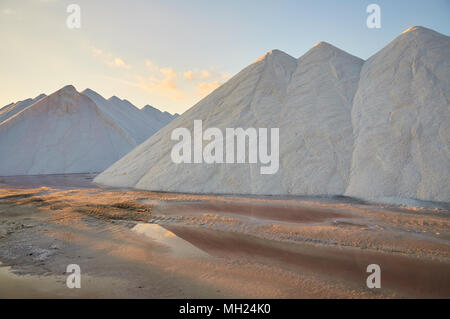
pixel 401 119
pixel 64 132
pixel 316 149
pixel 309 100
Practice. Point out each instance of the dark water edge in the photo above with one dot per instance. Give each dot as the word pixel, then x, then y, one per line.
pixel 85 180
pixel 62 181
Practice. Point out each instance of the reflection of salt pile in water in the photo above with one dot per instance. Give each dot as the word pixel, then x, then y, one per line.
pixel 178 246
pixel 70 132
pixel 391 140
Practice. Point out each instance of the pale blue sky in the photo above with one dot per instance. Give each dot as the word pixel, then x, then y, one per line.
pixel 171 53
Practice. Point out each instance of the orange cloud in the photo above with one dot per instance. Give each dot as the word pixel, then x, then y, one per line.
pixel 109 59
pixel 164 83
pixel 189 85
pixel 206 75
pixel 189 75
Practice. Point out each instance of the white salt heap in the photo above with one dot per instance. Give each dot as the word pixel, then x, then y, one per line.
pixel 376 132
pixel 308 99
pixel 401 120
pixel 67 132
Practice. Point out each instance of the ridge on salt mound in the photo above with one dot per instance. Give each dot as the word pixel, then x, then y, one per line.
pixel 137 124
pixel 401 118
pixel 12 109
pixel 163 117
pixel 64 132
pixel 319 144
pixel 265 94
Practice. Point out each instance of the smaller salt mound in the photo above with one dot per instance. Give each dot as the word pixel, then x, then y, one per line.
pixel 12 109
pixel 137 124
pixel 64 132
pixel 163 117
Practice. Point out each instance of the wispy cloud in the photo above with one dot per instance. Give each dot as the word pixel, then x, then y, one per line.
pixel 202 75
pixel 109 58
pixel 189 75
pixel 164 81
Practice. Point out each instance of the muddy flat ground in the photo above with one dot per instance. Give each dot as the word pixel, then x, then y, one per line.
pixel 140 244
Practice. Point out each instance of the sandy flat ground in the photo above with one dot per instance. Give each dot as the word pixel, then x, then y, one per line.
pixel 139 244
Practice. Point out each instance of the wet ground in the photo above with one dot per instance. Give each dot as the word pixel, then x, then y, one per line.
pixel 139 244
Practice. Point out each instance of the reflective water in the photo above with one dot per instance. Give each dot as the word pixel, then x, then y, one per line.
pixel 62 181
pixel 177 246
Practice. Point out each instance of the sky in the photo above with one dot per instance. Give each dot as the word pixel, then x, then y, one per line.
pixel 170 54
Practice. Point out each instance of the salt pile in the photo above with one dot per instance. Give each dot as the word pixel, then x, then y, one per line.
pixel 401 120
pixel 67 132
pixel 373 129
pixel 308 99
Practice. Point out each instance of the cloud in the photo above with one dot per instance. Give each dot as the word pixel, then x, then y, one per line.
pixel 189 75
pixel 109 59
pixel 151 66
pixel 202 75
pixel 119 62
pixel 163 82
pixel 205 75
pixel 167 82
pixel 168 73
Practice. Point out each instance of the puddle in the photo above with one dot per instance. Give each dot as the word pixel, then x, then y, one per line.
pixel 178 246
pixel 27 286
pixel 13 285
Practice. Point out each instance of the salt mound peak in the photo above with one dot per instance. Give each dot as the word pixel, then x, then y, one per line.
pixel 273 54
pixel 149 107
pixel 88 91
pixel 115 99
pixel 325 49
pixel 68 89
pixel 322 44
pixel 417 36
pixel 419 29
